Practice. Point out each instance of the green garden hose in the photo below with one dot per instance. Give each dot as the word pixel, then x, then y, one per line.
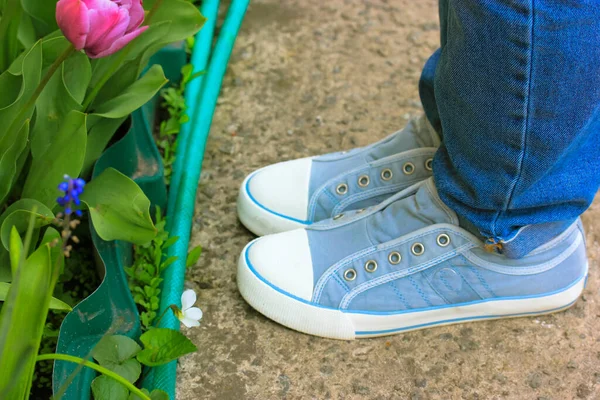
pixel 187 174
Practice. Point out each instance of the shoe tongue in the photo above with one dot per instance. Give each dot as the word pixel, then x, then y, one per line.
pixel 406 215
pixel 416 134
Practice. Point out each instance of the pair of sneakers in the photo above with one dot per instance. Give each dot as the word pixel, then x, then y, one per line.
pixel 358 244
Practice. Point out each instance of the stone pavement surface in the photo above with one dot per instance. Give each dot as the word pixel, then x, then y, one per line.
pixel 314 76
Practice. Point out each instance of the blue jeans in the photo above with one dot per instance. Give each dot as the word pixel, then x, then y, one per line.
pixel 514 91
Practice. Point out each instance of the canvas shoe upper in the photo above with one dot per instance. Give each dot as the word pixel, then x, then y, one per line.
pixel 404 264
pixel 295 194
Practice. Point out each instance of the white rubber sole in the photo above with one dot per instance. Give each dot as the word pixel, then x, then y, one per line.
pixel 259 220
pixel 333 323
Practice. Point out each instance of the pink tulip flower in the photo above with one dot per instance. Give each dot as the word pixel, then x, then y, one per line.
pixel 100 27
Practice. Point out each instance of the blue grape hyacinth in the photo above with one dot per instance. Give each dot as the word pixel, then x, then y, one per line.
pixel 72 189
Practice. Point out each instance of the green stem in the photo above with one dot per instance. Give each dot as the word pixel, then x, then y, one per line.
pixel 117 63
pixel 67 382
pixel 96 367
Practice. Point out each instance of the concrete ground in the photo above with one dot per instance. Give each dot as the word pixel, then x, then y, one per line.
pixel 314 76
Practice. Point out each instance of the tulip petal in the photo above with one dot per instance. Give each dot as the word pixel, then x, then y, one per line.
pixel 193 313
pixel 100 4
pixel 188 299
pixel 106 26
pixel 73 21
pixel 118 44
pixel 136 15
pixel 190 323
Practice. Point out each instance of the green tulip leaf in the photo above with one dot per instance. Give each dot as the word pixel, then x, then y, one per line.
pixel 18 215
pixel 162 345
pixel 27 35
pixel 63 93
pixel 110 115
pixel 9 155
pixel 9 31
pixel 52 46
pixel 185 18
pixel 134 96
pixel 43 14
pixel 98 137
pixel 64 155
pixel 10 86
pixel 14 130
pixel 118 207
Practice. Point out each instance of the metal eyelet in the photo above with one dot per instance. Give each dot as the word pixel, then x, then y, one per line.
pixel 386 174
pixel 350 274
pixel 417 249
pixel 443 240
pixel 336 217
pixel 362 210
pixel 364 180
pixel 429 164
pixel 371 266
pixel 341 189
pixel 408 168
pixel 394 258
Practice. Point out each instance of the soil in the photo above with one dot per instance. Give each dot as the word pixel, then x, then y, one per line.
pixel 309 77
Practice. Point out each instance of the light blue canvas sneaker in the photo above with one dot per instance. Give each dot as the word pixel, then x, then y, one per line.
pixel 294 194
pixel 402 265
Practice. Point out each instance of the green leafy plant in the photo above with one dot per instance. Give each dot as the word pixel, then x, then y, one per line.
pixel 77 281
pixel 174 105
pixel 144 276
pixel 162 346
pixel 33 281
pixel 119 359
pixel 116 353
pixel 59 109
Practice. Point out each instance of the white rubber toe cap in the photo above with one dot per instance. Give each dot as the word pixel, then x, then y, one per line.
pixel 283 188
pixel 275 199
pixel 284 260
pixel 275 277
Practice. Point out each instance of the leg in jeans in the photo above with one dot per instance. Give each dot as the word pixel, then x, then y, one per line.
pixel 426 84
pixel 513 92
pixel 516 93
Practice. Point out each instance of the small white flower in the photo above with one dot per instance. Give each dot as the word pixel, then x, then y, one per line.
pixel 189 315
